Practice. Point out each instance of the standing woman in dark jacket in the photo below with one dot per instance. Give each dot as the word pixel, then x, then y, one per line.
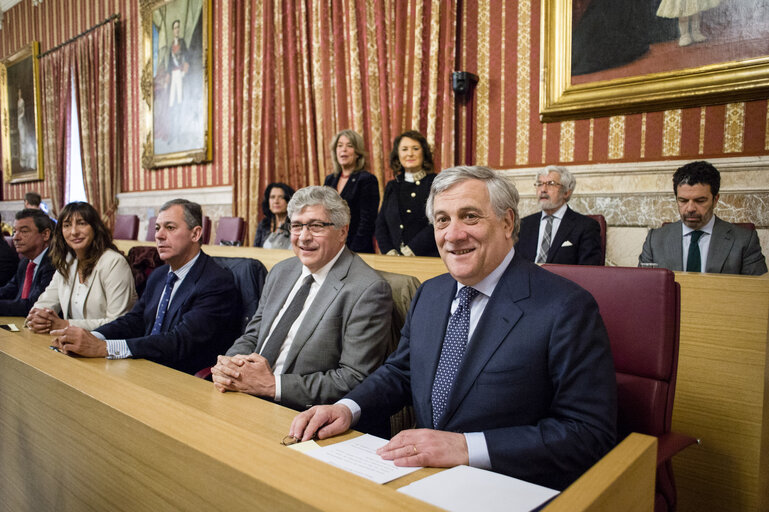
pixel 358 187
pixel 402 228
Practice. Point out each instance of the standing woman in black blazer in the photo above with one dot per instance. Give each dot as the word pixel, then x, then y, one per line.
pixel 402 228
pixel 358 187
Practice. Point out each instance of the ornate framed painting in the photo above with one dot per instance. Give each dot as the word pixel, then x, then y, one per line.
pixel 176 82
pixel 607 57
pixel 21 117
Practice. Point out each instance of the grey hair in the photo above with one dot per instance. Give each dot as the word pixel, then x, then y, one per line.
pixel 357 143
pixel 193 214
pixel 336 207
pixel 568 180
pixel 502 193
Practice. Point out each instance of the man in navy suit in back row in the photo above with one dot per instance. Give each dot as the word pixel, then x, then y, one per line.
pixel 507 365
pixel 188 312
pixel 558 234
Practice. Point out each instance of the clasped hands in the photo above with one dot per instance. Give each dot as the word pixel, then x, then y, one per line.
pixel 413 447
pixel 44 320
pixel 249 373
pixel 76 340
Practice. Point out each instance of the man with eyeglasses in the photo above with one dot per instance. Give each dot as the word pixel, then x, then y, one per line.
pixel 558 234
pixel 700 241
pixel 323 321
pixel 31 236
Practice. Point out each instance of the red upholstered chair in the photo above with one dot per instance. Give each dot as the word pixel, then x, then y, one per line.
pixel 601 222
pixel 151 229
pixel 206 236
pixel 230 230
pixel 641 310
pixel 126 227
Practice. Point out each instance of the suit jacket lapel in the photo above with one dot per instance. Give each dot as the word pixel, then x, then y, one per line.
pixel 720 246
pixel 73 280
pixel 427 334
pixel 185 290
pixel 499 318
pixel 276 300
pixel 332 285
pixel 564 229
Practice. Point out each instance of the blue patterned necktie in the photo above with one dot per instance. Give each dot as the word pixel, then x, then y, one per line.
pixel 452 352
pixel 164 300
pixel 271 348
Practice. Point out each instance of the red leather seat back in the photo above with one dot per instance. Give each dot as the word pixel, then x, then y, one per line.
pixel 640 308
pixel 126 227
pixel 230 229
pixel 206 235
pixel 151 229
pixel 602 223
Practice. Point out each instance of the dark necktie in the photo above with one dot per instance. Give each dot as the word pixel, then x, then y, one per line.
pixel 164 300
pixel 452 352
pixel 694 261
pixel 271 348
pixel 28 278
pixel 546 239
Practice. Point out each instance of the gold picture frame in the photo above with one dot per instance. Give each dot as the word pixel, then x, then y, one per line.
pixel 21 118
pixel 176 82
pixel 560 99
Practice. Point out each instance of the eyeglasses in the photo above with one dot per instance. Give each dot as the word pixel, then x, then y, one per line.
pixel 548 184
pixel 316 227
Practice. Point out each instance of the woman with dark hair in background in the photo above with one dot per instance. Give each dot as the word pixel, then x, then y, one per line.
pixel 357 186
pixel 273 230
pixel 402 228
pixel 93 283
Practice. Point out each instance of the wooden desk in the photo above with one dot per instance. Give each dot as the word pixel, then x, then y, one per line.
pixel 80 434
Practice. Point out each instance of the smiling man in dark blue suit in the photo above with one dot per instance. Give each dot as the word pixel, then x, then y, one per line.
pixel 187 314
pixel 508 366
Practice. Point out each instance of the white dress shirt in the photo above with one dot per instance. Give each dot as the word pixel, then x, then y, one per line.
pixel 703 242
pixel 477 449
pixel 557 218
pixel 318 278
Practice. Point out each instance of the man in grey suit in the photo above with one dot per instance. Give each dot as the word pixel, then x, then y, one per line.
pixel 323 319
pixel 700 241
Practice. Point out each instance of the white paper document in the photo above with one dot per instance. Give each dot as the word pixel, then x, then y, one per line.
pixel 466 489
pixel 358 456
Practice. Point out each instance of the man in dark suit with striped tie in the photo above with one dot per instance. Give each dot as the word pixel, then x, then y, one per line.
pixel 32 233
pixel 187 314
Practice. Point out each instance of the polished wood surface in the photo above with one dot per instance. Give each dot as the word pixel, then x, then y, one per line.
pixel 722 395
pixel 79 434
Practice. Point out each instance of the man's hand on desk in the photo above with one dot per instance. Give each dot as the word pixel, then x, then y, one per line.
pixel 76 340
pixel 325 420
pixel 245 373
pixel 44 320
pixel 426 447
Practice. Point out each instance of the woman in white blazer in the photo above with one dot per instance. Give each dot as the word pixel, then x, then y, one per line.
pixel 93 283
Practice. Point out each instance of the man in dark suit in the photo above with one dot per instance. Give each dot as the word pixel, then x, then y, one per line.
pixel 508 366
pixel 9 263
pixel 559 234
pixel 187 314
pixel 32 234
pixel 340 330
pixel 700 241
